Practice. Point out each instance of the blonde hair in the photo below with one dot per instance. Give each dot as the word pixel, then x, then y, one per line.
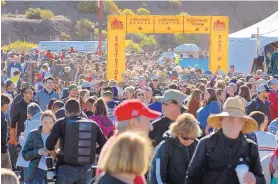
pixel 45 67
pixel 48 113
pixel 185 124
pixel 220 84
pixel 227 79
pixel 130 153
pixel 128 73
pixel 8 176
pixel 133 74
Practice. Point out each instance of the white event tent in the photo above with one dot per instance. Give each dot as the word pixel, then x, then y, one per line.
pixel 243 48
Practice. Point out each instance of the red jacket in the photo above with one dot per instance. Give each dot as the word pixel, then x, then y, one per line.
pixel 48 54
pixel 71 50
pixel 273 98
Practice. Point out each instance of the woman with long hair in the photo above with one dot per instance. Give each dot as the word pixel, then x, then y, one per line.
pixel 101 118
pixel 221 96
pixel 127 158
pixel 83 97
pixel 210 106
pixel 34 149
pixel 244 92
pixel 194 101
pixel 230 91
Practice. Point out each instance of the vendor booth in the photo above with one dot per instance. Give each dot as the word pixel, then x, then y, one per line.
pixel 253 47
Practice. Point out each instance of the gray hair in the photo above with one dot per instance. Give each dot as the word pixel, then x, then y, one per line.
pixel 33 109
pixel 122 126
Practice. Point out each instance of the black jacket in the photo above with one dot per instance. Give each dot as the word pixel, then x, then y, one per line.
pixel 58 132
pixel 4 133
pixel 19 116
pixel 56 70
pixel 61 113
pixel 66 77
pixel 216 157
pixel 160 126
pixel 258 105
pixel 170 161
pixel 14 102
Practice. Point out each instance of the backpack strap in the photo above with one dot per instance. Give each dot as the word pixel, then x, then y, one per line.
pixel 243 153
pixel 209 148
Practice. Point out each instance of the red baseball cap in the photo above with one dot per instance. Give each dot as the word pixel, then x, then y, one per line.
pixel 132 109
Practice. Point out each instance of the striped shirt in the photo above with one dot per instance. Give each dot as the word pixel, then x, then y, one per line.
pixel 273 127
pixel 266 143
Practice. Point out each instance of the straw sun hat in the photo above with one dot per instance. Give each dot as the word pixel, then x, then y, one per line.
pixel 234 107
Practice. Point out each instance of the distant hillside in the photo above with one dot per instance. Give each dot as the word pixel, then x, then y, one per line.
pixel 241 15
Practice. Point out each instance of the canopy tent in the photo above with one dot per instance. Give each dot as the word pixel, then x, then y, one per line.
pixel 187 48
pixel 243 48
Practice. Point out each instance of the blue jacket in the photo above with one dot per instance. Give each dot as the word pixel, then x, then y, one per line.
pixel 30 152
pixel 43 98
pixel 156 106
pixel 111 107
pixel 12 65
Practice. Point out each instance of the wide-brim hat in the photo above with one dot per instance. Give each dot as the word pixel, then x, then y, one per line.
pixel 173 94
pixel 234 107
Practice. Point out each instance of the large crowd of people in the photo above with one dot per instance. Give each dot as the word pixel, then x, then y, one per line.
pixel 61 119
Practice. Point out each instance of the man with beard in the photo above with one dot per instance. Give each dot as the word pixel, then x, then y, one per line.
pixel 261 102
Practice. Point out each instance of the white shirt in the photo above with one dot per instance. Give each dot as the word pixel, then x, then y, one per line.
pixel 266 143
pixel 42 163
pixel 270 167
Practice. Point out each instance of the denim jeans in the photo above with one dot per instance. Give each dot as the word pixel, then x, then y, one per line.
pixel 13 155
pixel 40 177
pixel 68 174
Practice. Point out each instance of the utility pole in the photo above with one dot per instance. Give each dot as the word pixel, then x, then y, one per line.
pixel 258 41
pixel 100 27
pixel 9 15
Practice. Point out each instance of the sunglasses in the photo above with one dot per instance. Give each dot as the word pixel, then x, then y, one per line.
pixel 140 94
pixel 155 80
pixel 187 138
pixel 169 102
